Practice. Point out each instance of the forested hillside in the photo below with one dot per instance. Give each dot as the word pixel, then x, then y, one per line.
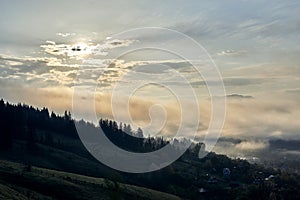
pixel 35 137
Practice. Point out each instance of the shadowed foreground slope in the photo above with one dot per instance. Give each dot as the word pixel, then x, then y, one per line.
pixel 19 181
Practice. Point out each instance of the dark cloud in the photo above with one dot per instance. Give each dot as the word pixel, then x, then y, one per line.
pixel 232 82
pixel 239 96
pixel 293 91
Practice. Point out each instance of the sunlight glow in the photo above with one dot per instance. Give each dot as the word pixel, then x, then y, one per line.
pixel 80 49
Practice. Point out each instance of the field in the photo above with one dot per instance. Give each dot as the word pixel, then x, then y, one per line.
pixel 18 181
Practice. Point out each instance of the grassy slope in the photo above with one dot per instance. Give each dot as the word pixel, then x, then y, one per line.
pixel 17 181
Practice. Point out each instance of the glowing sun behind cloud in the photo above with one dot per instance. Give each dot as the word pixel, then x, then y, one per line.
pixel 80 50
pixel 76 50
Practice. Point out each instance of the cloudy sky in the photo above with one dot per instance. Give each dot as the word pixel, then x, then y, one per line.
pixel 47 47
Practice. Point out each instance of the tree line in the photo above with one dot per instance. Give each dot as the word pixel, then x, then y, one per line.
pixel 34 125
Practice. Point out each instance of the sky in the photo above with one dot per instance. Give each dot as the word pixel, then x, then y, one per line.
pixel 47 48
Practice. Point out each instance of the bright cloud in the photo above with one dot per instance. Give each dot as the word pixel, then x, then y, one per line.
pixel 251 145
